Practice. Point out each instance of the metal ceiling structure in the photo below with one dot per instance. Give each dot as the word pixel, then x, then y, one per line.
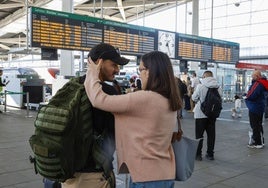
pixel 13 20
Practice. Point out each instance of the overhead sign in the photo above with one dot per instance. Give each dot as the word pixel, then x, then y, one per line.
pixel 242 65
pixel 225 51
pixel 194 47
pixel 61 30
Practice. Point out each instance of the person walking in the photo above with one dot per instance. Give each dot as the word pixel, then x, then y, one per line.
pixel 255 102
pixel 202 122
pixel 103 122
pixel 144 121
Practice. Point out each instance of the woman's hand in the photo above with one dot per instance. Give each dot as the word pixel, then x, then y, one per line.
pixel 94 66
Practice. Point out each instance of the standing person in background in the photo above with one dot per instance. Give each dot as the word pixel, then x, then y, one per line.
pixel 187 96
pixel 236 111
pixel 194 82
pixel 2 84
pixel 138 84
pixel 202 122
pixel 183 91
pixel 103 122
pixel 255 101
pixel 144 121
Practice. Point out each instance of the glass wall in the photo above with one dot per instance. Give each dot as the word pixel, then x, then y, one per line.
pixel 242 21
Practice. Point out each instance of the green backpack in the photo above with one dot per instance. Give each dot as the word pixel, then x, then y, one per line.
pixel 64 134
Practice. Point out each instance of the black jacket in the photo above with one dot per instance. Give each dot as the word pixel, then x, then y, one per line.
pixel 103 121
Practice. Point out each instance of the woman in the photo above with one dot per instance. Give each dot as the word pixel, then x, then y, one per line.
pixel 144 121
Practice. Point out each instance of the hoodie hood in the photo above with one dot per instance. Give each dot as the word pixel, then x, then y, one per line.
pixel 210 82
pixel 264 82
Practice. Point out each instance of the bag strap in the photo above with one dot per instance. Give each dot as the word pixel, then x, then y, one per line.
pixel 177 135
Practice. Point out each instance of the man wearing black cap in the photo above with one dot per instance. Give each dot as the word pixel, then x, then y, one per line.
pixel 103 122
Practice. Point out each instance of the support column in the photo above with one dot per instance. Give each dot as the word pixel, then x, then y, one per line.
pixel 195 29
pixel 66 56
pixel 195 17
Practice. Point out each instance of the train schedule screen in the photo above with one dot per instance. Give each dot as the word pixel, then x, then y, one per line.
pixel 61 30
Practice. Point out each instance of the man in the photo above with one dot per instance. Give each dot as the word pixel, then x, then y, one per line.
pixel 194 82
pixel 103 122
pixel 2 84
pixel 255 101
pixel 202 122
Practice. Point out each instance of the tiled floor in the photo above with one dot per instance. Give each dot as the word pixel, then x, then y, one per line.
pixel 235 165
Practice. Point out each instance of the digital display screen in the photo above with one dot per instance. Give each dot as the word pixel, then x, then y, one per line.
pixel 61 30
pixel 224 51
pixel 194 48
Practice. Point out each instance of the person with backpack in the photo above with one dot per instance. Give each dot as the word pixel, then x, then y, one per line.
pixel 255 102
pixel 91 175
pixel 144 121
pixel 204 122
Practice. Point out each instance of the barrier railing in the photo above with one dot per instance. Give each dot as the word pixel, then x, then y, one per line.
pixel 16 93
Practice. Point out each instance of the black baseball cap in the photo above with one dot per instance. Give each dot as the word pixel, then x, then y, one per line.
pixel 107 51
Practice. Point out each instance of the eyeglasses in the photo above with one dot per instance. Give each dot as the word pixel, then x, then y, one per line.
pixel 141 69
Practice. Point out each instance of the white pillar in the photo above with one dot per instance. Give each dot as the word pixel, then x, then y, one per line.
pixel 66 56
pixel 195 17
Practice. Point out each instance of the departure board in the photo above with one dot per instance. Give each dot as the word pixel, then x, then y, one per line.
pixel 129 38
pixel 62 30
pixel 192 47
pixel 225 51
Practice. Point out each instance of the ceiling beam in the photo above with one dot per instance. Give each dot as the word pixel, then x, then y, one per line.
pixel 20 13
pixel 121 9
pixel 127 4
pixel 97 15
pixel 5 47
pixel 18 40
pixel 11 5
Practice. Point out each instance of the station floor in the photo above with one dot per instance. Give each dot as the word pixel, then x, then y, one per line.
pixel 235 165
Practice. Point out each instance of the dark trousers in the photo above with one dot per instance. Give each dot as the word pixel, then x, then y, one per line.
pixel 255 121
pixel 187 105
pixel 208 125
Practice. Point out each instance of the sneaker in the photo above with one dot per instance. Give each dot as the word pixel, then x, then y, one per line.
pixel 255 146
pixel 210 157
pixel 198 158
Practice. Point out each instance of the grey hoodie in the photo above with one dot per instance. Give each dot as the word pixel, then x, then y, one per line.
pixel 200 92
